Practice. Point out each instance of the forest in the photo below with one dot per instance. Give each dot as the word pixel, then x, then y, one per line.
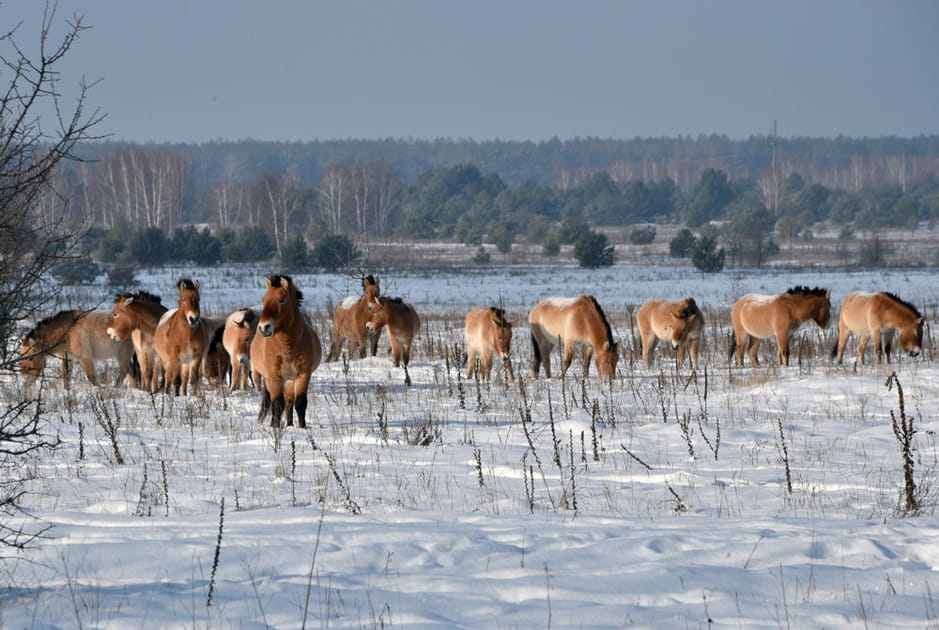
pixel 252 200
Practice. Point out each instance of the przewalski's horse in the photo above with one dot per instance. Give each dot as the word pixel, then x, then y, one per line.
pixel 239 331
pixel 285 353
pixel 73 334
pixel 488 332
pixel 217 364
pixel 135 316
pixel 401 321
pixel 181 339
pixel 679 323
pixel 757 317
pixel 349 322
pixel 875 317
pixel 575 321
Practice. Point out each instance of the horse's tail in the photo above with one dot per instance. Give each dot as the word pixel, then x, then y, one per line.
pixel 536 349
pixel 834 350
pixel 733 346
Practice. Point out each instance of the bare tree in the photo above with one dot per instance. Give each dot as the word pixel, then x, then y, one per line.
pixel 332 191
pixel 284 198
pixel 38 132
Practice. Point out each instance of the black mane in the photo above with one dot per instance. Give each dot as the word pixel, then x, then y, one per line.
pixel 142 296
pixel 807 292
pixel 606 323
pixel 902 302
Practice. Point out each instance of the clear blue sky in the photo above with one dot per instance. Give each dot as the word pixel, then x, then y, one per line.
pixel 196 70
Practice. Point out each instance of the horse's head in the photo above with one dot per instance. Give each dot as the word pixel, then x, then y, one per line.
pixel 281 305
pixel 911 337
pixel 120 324
pixel 502 337
pixel 682 320
pixel 377 313
pixel 189 301
pixel 240 330
pixel 823 312
pixel 606 357
pixel 32 362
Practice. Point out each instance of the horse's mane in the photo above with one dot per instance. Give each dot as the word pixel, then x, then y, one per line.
pixel 499 315
pixel 394 300
pixel 216 339
pixel 690 308
pixel 606 323
pixel 806 292
pixel 141 296
pixel 902 302
pixel 278 280
pixel 187 284
pixel 369 280
pixel 49 321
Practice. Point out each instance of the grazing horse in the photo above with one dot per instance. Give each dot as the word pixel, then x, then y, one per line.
pixel 758 317
pixel 488 332
pixel 239 330
pixel 573 321
pixel 285 353
pixel 349 322
pixel 81 335
pixel 876 316
pixel 136 315
pixel 679 323
pixel 401 321
pixel 181 339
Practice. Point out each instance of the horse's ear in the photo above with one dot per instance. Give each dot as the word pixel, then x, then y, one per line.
pixel 677 315
pixel 267 282
pixel 196 284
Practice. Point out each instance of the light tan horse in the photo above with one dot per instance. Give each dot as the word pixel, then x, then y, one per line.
pixel 135 316
pixel 350 319
pixel 757 317
pixel 679 323
pixel 488 332
pixel 576 322
pixel 285 353
pixel 875 317
pixel 239 331
pixel 401 322
pixel 181 339
pixel 73 334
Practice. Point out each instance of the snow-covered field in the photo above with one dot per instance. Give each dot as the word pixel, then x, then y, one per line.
pixel 659 501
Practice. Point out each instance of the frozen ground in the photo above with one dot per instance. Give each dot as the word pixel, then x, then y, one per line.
pixel 659 501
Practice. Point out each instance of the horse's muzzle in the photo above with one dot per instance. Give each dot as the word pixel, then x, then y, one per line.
pixel 914 353
pixel 243 359
pixel 266 329
pixel 113 335
pixel 193 321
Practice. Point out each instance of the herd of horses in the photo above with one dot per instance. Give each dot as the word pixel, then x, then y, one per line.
pixel 275 345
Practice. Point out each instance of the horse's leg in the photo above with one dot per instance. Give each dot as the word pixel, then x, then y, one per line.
pixel 290 398
pixel 470 361
pixel 862 348
pixel 395 349
pixel 485 365
pixel 89 367
pixel 373 337
pixel 649 342
pixel 567 355
pixel 265 404
pixel 275 391
pixel 235 376
pixel 843 332
pixel 195 373
pixel 300 387
pixel 782 348
pixel 741 340
pixel 588 354
pixel 536 357
pixel 680 356
pixel 66 377
pixel 753 343
pixel 694 353
pixel 185 374
pixel 877 342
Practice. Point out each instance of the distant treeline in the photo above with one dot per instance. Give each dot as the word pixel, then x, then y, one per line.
pixel 473 191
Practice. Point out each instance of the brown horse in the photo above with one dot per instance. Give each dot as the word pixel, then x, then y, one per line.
pixel 349 322
pixel 73 334
pixel 488 332
pixel 679 323
pixel 576 322
pixel 876 316
pixel 135 316
pixel 401 321
pixel 181 339
pixel 238 333
pixel 757 317
pixel 216 365
pixel 285 353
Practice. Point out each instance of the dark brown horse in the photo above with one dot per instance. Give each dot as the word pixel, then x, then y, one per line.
pixel 757 317
pixel 875 317
pixel 574 322
pixel 135 316
pixel 73 334
pixel 349 322
pixel 181 339
pixel 285 352
pixel 401 321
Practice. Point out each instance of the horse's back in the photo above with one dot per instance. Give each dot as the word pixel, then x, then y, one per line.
pixel 561 317
pixel 754 314
pixel 88 338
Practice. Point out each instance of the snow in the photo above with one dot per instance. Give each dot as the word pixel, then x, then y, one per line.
pixel 658 501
